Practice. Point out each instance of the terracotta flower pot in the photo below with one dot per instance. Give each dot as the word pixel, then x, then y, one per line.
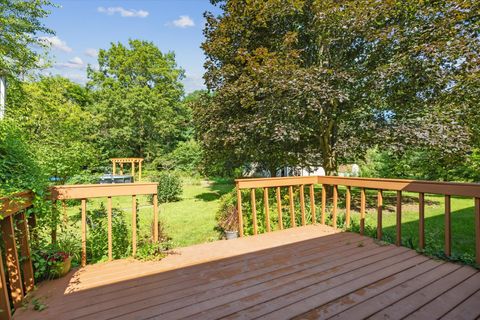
pixel 60 269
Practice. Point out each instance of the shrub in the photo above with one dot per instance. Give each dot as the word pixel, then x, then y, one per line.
pixel 227 214
pixel 169 186
pixel 187 156
pixel 19 169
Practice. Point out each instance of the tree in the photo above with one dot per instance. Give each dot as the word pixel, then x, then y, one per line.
pixel 20 22
pixel 137 94
pixel 307 82
pixel 53 112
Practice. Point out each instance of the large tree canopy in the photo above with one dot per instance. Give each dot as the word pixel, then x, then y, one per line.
pixel 137 94
pixel 306 82
pixel 20 25
pixel 53 114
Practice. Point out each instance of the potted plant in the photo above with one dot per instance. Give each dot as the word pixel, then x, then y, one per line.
pixel 59 263
pixel 230 223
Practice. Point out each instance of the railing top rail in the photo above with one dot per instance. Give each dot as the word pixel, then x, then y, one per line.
pixel 434 187
pixel 84 191
pixel 16 202
pixel 274 182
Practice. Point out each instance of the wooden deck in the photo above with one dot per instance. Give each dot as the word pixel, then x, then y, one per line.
pixel 303 273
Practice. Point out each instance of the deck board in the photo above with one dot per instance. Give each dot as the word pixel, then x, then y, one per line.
pixel 312 272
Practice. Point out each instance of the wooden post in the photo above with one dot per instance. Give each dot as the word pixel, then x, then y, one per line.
pixel 140 171
pixel 84 232
pixel 324 204
pixel 312 203
pixel 114 167
pixel 477 230
pixel 133 171
pixel 254 211
pixel 239 211
pixel 448 227
pixel 5 311
pixel 134 225
pixel 363 200
pixel 26 258
pixel 267 208
pixel 12 263
pixel 155 217
pixel 279 209
pixel 347 207
pixel 109 216
pixel 121 168
pixel 302 203
pixel 335 204
pixel 292 208
pixel 421 221
pixel 379 214
pixel 398 241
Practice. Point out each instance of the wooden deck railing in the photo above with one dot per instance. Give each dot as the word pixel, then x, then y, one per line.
pixel 89 191
pixel 447 189
pixel 15 228
pixel 13 212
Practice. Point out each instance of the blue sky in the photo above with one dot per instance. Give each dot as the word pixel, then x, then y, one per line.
pixel 83 27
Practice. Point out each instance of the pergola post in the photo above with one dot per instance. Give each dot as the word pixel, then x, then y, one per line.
pixel 133 170
pixel 114 167
pixel 140 170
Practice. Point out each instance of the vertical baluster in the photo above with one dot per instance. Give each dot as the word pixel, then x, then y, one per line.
pixel 26 261
pixel 267 208
pixel 279 209
pixel 324 204
pixel 239 211
pixel 302 203
pixel 477 230
pixel 379 214
pixel 312 203
pixel 5 311
pixel 254 211
pixel 155 217
pixel 398 241
pixel 347 207
pixel 421 221
pixel 11 256
pixel 140 171
pixel 292 208
pixel 134 225
pixel 84 232
pixel 335 205
pixel 109 217
pixel 448 226
pixel 363 200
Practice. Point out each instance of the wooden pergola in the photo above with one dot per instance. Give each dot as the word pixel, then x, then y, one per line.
pixel 132 162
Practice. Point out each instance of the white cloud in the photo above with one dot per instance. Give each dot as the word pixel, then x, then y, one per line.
pixel 183 22
pixel 91 52
pixel 74 63
pixel 56 43
pixel 193 82
pixel 126 13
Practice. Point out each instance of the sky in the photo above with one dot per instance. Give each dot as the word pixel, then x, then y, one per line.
pixel 82 27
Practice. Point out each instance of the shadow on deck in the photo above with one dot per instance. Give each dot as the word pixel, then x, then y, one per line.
pixel 306 273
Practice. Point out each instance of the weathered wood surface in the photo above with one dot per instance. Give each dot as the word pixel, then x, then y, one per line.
pixel 309 272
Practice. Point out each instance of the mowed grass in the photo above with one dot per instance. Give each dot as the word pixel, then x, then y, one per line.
pixel 189 221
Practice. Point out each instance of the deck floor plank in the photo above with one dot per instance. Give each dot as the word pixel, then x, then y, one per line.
pixel 311 272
